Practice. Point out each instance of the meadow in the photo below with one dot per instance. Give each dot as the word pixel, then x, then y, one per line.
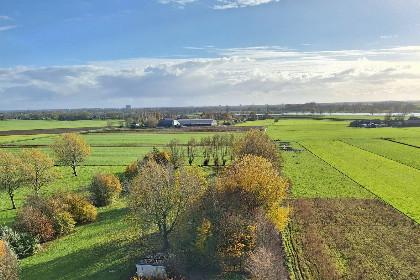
pixel 7 125
pixel 346 186
pixel 354 200
pixel 108 248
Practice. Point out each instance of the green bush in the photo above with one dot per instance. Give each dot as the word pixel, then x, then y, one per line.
pixel 31 220
pixel 23 244
pixel 105 188
pixel 9 266
pixel 80 208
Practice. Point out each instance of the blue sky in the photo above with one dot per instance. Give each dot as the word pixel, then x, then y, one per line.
pixel 103 53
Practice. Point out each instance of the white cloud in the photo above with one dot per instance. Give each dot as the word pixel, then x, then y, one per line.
pixel 229 4
pixel 261 75
pixel 7 27
pixel 179 2
pixel 3 17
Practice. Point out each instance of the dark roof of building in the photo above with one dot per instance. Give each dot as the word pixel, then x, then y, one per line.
pixel 195 121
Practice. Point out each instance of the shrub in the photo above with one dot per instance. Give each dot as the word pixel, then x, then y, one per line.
pixel 23 244
pixel 56 210
pixel 34 222
pixel 130 171
pixel 105 188
pixel 80 208
pixel 9 266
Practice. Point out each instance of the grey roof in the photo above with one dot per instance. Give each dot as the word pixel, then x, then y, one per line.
pixel 196 121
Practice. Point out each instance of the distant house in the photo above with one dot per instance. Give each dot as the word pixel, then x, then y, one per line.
pixel 197 122
pixel 366 123
pixel 413 122
pixel 168 123
pixel 134 125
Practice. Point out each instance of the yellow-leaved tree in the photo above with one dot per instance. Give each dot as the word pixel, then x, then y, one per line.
pixel 160 194
pixel 38 168
pixel 12 174
pixel 253 182
pixel 70 149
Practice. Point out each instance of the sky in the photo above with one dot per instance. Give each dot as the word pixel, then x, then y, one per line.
pixel 157 53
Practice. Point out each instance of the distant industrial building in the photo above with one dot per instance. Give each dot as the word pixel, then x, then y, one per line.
pixel 128 107
pixel 186 122
pixel 197 122
pixel 168 123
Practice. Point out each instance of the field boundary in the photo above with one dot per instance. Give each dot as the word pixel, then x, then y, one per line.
pixel 379 154
pixel 402 143
pixel 375 195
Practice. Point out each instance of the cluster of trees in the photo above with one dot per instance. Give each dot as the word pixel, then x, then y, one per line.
pixel 34 168
pixel 44 218
pixel 223 223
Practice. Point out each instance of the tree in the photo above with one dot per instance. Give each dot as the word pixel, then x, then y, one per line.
pixel 70 149
pixel 38 168
pixel 206 148
pixel 175 152
pixel 12 174
pixel 151 122
pixel 191 150
pixel 160 194
pixel 105 188
pixel 9 266
pixel 253 183
pixel 258 143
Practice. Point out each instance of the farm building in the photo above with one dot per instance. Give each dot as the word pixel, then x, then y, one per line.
pixel 413 122
pixel 197 122
pixel 169 123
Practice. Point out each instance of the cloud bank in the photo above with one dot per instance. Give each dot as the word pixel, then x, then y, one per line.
pixel 260 75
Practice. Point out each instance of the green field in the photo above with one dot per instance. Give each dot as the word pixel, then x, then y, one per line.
pixel 395 183
pixel 6 125
pixel 397 152
pixel 312 177
pixel 303 129
pixel 410 141
pixel 329 160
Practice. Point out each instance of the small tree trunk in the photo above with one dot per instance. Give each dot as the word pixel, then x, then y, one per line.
pixel 36 191
pixel 13 201
pixel 165 236
pixel 74 169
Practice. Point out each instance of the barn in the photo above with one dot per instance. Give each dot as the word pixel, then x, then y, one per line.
pixel 197 122
pixel 168 123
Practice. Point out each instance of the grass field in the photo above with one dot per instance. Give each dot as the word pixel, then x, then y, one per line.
pixel 338 229
pixel 336 219
pixel 397 152
pixel 108 244
pixel 397 184
pixel 6 125
pixel 312 177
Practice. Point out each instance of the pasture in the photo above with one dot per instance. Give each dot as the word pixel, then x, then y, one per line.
pixel 355 199
pixel 108 248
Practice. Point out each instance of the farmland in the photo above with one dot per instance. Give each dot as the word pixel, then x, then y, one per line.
pixel 354 199
pixel 110 244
